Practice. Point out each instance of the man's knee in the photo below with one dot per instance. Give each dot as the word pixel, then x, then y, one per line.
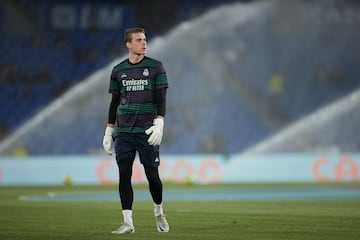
pixel 152 174
pixel 125 168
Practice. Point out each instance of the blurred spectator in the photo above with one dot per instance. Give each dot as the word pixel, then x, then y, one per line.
pixel 61 40
pixel 37 41
pixel 276 84
pixel 335 77
pixel 44 75
pixel 64 85
pixel 9 73
pixel 3 130
pixel 212 143
pixel 19 150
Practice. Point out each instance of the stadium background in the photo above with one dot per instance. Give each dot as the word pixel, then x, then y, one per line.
pixel 246 77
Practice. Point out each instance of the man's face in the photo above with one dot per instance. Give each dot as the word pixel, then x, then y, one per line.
pixel 138 44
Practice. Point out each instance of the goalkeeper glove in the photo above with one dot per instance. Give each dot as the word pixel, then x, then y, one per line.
pixel 107 140
pixel 156 132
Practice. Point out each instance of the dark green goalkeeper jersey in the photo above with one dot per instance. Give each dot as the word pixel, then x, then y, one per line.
pixel 136 85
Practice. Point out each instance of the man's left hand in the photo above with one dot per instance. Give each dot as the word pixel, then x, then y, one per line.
pixel 156 132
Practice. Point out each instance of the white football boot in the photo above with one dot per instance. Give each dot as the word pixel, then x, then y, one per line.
pixel 125 228
pixel 161 223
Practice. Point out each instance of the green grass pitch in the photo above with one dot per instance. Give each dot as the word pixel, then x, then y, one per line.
pixel 280 219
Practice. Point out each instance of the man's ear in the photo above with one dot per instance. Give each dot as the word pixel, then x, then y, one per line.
pixel 128 45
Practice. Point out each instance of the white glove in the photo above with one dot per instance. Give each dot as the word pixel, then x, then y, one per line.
pixel 156 132
pixel 107 140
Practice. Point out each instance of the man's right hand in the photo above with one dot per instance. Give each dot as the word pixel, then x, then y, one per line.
pixel 107 140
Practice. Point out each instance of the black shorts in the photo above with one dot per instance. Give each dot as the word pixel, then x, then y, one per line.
pixel 127 144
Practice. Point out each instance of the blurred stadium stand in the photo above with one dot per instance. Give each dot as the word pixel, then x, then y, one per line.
pixel 238 73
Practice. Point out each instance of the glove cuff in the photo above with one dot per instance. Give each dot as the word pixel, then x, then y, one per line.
pixel 159 122
pixel 109 131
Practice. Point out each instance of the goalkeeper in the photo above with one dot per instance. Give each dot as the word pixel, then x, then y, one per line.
pixel 138 87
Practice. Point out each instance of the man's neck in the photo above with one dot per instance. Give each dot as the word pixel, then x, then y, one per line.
pixel 135 58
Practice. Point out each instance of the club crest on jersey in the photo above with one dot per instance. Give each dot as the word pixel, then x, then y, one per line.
pixel 146 72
